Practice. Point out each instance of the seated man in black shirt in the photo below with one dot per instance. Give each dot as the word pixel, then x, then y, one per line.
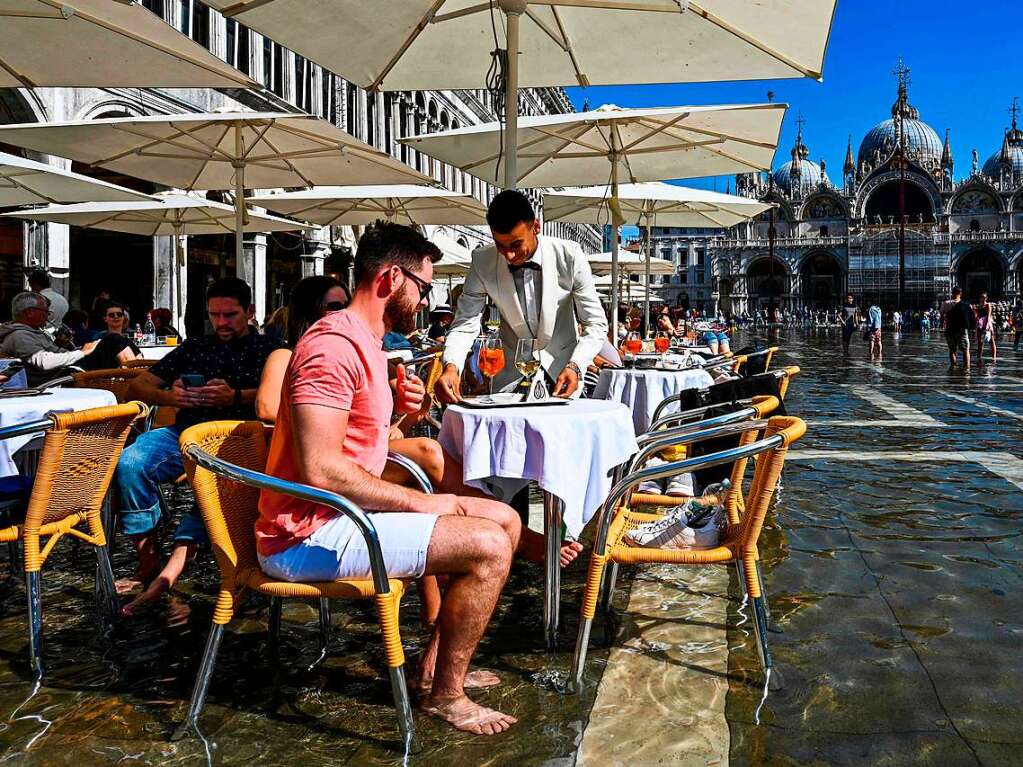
pixel 207 379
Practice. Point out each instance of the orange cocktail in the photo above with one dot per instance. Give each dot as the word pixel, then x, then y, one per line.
pixel 661 344
pixel 491 361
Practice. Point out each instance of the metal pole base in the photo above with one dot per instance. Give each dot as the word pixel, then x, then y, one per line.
pixel 273 628
pixel 202 683
pixel 552 514
pixel 582 641
pixel 35 624
pixel 403 708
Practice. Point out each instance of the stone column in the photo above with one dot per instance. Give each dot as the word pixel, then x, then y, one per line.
pixel 167 282
pixel 314 259
pixel 253 271
pixel 47 246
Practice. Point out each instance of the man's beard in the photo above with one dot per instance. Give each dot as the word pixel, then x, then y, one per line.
pixel 400 314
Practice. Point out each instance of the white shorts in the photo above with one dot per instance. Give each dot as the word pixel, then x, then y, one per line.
pixel 337 551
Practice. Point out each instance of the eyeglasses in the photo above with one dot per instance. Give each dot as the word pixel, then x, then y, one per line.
pixel 334 306
pixel 115 315
pixel 424 286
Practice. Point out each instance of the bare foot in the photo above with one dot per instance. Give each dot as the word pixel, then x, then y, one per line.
pixel 480 679
pixel 569 551
pixel 533 548
pixel 125 586
pixel 462 714
pixel 156 589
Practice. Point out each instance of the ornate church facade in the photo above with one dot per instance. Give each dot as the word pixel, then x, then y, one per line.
pixel 832 239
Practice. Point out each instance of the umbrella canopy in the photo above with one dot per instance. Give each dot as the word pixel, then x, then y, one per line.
pixel 232 150
pixel 584 148
pixel 103 44
pixel 456 258
pixel 611 143
pixel 629 263
pixel 652 204
pixel 168 214
pixel 27 182
pixel 429 44
pixel 407 204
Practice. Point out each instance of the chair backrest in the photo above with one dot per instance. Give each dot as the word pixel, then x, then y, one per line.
pixel 76 465
pixel 115 380
pixel 228 508
pixel 142 362
pixel 765 476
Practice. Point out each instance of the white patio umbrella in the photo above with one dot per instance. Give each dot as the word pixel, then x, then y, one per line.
pixel 430 44
pixel 27 182
pixel 170 214
pixel 628 263
pixel 408 204
pixel 611 143
pixel 650 205
pixel 455 259
pixel 103 44
pixel 231 150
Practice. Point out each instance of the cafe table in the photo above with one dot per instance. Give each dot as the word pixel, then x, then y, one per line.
pixel 24 409
pixel 569 449
pixel 641 390
pixel 156 352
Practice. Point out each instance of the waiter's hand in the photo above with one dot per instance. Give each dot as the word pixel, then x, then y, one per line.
pixel 448 384
pixel 567 382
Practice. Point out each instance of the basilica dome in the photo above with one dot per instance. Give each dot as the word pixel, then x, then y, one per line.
pixel 1011 154
pixel 922 143
pixel 808 177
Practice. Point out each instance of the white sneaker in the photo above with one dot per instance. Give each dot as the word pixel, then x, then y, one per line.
pixel 652 486
pixel 681 485
pixel 689 526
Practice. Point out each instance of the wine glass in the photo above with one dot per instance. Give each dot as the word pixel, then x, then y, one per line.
pixel 661 342
pixel 634 343
pixel 491 359
pixel 526 361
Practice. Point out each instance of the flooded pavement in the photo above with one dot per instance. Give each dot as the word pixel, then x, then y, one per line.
pixel 892 562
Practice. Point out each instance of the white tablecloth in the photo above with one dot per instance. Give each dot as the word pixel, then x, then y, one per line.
pixel 643 390
pixel 568 450
pixel 17 410
pixel 156 352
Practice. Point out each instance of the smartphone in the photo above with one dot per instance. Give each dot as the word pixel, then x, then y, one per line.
pixel 193 380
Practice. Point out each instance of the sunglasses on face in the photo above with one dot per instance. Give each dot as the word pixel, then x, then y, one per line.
pixel 424 287
pixel 115 315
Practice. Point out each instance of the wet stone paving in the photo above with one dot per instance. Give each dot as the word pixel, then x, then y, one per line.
pixel 891 559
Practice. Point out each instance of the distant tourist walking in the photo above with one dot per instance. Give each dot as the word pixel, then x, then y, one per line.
pixel 985 329
pixel 1017 324
pixel 897 320
pixel 850 315
pixel 874 329
pixel 958 320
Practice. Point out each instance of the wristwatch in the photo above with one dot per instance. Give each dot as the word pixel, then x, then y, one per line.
pixel 237 397
pixel 574 367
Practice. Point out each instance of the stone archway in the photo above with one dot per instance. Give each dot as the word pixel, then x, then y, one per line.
pixel 822 281
pixel 981 271
pixel 767 283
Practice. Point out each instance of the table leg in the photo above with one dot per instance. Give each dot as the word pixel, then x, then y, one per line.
pixel 553 509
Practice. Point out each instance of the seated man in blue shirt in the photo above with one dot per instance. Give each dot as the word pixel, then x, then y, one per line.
pixel 207 379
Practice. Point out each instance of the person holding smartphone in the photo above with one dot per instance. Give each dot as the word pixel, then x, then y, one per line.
pixel 206 379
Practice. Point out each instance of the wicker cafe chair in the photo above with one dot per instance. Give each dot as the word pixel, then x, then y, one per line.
pixel 142 363
pixel 429 370
pixel 224 460
pixel 114 380
pixel 77 462
pixel 677 425
pixel 739 545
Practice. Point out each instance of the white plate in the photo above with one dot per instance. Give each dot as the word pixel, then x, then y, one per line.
pixel 508 399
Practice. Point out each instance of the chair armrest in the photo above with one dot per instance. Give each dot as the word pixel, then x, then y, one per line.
pixel 21 429
pixel 338 503
pixel 693 415
pixel 687 435
pixel 412 468
pixel 62 381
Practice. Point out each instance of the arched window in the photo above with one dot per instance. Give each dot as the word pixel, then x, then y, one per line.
pixel 974 225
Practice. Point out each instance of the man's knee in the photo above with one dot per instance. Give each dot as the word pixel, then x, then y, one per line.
pixel 494 547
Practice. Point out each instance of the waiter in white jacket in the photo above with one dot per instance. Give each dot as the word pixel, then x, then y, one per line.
pixel 543 289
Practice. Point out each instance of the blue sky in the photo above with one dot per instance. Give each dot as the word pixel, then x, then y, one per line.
pixel 966 62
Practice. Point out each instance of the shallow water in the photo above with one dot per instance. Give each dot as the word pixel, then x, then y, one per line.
pixel 893 582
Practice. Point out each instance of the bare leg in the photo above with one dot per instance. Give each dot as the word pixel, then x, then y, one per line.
pixel 477 554
pixel 182 554
pixel 145 547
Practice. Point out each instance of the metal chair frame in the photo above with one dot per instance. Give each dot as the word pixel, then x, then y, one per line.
pixel 782 375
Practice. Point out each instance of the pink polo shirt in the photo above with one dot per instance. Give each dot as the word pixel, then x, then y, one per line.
pixel 339 363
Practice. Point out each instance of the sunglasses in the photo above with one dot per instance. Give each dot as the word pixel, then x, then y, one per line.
pixel 115 315
pixel 424 287
pixel 334 306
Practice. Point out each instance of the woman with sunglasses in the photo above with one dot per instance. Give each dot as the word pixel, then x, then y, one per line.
pixel 117 321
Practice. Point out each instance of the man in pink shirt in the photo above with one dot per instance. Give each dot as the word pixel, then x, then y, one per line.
pixel 331 432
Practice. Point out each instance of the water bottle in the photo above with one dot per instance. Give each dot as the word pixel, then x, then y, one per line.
pixel 137 333
pixel 150 334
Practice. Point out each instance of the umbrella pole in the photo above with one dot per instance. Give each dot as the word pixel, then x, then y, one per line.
pixel 614 237
pixel 239 204
pixel 646 303
pixel 179 306
pixel 513 10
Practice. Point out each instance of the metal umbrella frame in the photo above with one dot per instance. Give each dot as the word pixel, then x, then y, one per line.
pixel 649 204
pixel 103 44
pixel 407 44
pixel 27 182
pixel 173 215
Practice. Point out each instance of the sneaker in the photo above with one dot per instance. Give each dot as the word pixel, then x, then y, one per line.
pixel 652 486
pixel 682 485
pixel 692 525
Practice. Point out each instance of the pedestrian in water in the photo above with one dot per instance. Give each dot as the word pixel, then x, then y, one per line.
pixel 850 317
pixel 874 329
pixel 1017 324
pixel 985 329
pixel 958 321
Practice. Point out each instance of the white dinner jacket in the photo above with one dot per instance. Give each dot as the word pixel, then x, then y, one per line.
pixel 569 299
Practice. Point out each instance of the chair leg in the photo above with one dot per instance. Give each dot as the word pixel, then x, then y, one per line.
pixel 202 683
pixel 105 582
pixel 403 707
pixel 324 625
pixel 773 627
pixel 760 625
pixel 273 628
pixel 12 553
pixel 594 580
pixel 35 624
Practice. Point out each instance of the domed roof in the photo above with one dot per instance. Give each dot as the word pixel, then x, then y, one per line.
pixel 810 175
pixel 1011 154
pixel 922 143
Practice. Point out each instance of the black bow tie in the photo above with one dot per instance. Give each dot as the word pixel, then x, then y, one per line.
pixel 527 265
